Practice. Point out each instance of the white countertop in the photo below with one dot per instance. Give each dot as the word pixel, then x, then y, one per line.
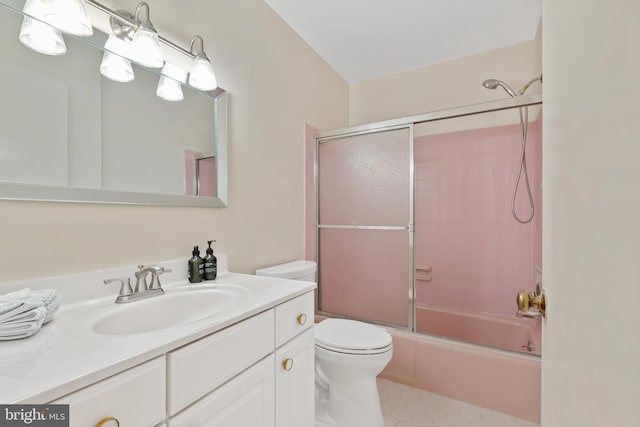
pixel 66 354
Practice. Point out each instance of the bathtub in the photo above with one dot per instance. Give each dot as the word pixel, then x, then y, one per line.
pixel 502 381
pixel 491 378
pixel 508 333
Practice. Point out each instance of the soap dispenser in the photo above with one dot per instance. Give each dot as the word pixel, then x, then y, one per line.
pixel 210 263
pixel 196 266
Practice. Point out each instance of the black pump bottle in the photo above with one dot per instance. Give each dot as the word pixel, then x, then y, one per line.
pixel 210 263
pixel 196 266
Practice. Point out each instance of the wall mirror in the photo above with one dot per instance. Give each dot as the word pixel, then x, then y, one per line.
pixel 69 134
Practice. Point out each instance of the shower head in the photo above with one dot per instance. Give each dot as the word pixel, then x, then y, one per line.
pixel 493 84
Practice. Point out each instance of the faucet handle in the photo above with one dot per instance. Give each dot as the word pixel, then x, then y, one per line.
pixel 155 269
pixel 125 285
pixel 155 277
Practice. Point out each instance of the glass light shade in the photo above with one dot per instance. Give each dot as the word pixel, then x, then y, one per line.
pixel 202 76
pixel 145 48
pixel 37 35
pixel 116 68
pixel 170 85
pixel 114 65
pixel 69 16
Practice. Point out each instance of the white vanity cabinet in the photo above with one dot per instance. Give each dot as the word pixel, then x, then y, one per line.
pixel 277 391
pixel 258 372
pixel 134 398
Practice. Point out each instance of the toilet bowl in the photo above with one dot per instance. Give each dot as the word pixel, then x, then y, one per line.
pixel 349 356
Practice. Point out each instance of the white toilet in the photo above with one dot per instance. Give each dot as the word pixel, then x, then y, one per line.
pixel 349 356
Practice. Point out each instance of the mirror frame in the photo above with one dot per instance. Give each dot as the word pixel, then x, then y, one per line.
pixel 33 192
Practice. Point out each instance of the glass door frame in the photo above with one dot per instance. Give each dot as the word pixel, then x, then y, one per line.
pixel 409 227
pixel 400 123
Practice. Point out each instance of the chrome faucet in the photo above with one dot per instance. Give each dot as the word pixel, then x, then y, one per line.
pixel 144 288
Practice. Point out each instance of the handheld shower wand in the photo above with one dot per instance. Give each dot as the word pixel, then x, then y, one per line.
pixel 524 119
pixel 493 84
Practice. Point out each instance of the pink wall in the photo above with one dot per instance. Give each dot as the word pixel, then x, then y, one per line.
pixel 207 174
pixel 479 254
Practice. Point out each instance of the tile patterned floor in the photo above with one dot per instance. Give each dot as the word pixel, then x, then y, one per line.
pixel 404 406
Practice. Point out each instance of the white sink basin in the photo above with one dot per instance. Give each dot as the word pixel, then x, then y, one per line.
pixel 176 307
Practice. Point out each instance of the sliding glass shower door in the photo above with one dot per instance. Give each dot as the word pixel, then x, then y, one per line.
pixel 365 218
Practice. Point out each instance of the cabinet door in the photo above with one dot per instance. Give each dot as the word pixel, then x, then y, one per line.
pixel 245 401
pixel 196 369
pixel 135 397
pixel 295 378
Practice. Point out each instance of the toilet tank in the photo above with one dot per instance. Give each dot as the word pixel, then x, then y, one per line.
pixel 295 270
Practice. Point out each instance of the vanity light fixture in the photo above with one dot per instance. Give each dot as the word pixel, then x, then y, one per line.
pixel 37 35
pixel 145 43
pixel 139 31
pixel 115 65
pixel 201 76
pixel 69 16
pixel 133 39
pixel 172 78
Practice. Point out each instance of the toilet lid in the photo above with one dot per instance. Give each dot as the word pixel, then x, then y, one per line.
pixel 350 336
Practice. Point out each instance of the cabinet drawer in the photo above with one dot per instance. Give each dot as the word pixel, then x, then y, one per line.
pixel 245 401
pixel 198 368
pixel 135 397
pixel 293 317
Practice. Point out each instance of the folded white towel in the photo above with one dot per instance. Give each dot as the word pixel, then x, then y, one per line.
pixel 51 300
pixel 21 294
pixel 14 303
pixel 11 309
pixel 23 325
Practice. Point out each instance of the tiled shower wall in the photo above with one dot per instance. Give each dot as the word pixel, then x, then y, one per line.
pixel 479 255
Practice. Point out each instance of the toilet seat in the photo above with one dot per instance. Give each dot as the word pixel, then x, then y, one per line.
pixel 351 337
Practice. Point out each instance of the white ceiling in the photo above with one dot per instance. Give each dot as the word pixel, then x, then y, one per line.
pixel 363 39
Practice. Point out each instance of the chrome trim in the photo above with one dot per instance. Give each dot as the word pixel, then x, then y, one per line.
pixel 350 134
pixel 410 228
pixel 373 322
pixel 468 110
pixel 316 196
pixel 364 227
